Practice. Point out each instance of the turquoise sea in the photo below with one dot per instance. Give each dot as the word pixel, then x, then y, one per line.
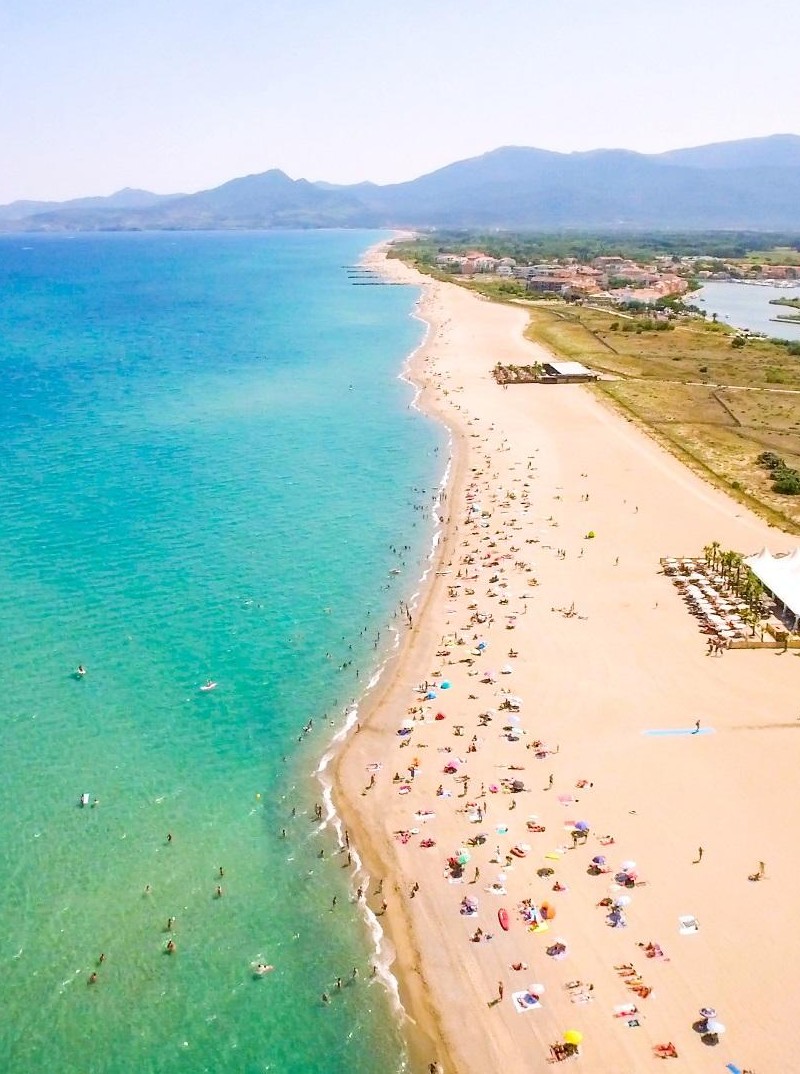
pixel 210 470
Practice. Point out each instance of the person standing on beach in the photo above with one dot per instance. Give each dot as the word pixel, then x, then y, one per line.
pixel 699 857
pixel 500 991
pixel 696 728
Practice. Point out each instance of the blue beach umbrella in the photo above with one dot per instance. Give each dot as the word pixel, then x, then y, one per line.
pixel 444 686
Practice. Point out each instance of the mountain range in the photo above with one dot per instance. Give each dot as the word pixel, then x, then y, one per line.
pixel 751 184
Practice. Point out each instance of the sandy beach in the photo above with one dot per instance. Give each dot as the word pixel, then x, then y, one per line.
pixel 541 655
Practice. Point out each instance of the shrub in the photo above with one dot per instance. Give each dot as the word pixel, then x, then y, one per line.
pixel 787 482
pixel 774 376
pixel 770 461
pixel 737 341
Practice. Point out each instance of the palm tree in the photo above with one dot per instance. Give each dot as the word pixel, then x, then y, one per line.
pixel 737 565
pixel 715 547
pixel 725 562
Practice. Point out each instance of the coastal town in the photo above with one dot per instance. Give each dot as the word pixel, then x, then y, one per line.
pixel 614 280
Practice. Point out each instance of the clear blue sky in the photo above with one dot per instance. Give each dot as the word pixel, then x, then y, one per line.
pixel 181 95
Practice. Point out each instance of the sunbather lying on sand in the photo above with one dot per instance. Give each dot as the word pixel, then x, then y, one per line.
pixel 666 1051
pixel 653 950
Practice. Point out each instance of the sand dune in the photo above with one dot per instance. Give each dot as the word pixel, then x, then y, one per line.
pixel 606 651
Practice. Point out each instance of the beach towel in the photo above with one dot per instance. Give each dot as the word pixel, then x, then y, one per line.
pixel 625 1010
pixel 524 1001
pixel 540 926
pixel 688 925
pixel 566 799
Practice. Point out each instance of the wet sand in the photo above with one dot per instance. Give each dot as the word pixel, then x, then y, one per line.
pixel 606 650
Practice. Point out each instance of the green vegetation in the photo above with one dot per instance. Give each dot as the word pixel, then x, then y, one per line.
pixel 778 255
pixel 530 247
pixel 793 303
pixel 786 480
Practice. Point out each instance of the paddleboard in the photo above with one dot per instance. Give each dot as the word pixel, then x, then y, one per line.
pixel 502 917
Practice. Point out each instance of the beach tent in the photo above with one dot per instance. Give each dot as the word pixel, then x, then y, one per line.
pixel 780 575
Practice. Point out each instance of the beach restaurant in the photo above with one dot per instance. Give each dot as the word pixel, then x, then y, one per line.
pixel 781 576
pixel 567 373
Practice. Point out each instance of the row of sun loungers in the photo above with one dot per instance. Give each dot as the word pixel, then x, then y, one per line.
pixel 706 594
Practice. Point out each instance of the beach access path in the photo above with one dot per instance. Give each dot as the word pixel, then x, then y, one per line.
pixel 606 651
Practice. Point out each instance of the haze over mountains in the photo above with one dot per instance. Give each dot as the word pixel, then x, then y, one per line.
pixel 753 184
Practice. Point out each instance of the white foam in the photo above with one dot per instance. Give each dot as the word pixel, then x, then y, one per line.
pixel 385 953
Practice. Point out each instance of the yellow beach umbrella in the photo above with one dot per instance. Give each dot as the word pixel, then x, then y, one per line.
pixel 573 1036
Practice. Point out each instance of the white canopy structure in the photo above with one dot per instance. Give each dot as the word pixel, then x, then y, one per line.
pixel 780 575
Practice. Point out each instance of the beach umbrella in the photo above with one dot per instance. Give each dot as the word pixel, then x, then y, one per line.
pixel 627 866
pixel 444 685
pixel 598 859
pixel 463 856
pixel 717 1028
pixel 536 989
pixel 581 826
pixel 708 1012
pixel 573 1036
pixel 622 900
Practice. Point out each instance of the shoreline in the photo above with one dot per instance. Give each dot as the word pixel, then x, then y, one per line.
pixel 422 1028
pixel 434 961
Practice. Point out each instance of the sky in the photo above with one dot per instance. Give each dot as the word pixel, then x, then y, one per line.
pixel 182 95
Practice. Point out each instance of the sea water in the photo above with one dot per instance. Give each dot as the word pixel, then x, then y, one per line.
pixel 210 472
